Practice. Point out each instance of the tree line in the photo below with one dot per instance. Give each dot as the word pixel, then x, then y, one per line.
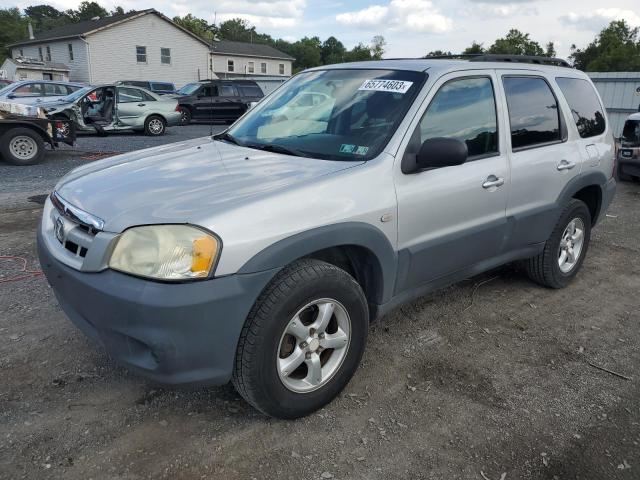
pixel 615 48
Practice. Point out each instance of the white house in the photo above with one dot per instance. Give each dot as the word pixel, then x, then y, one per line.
pixel 142 45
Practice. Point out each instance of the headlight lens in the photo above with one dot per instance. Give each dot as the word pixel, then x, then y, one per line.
pixel 165 252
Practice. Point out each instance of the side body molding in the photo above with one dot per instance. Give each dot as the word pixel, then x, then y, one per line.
pixel 355 234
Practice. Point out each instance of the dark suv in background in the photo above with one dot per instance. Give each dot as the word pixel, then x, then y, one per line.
pixel 219 100
pixel 159 88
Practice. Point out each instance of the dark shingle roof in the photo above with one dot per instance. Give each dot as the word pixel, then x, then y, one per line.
pixel 80 28
pixel 249 49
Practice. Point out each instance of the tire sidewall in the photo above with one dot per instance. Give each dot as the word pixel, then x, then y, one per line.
pixel 186 116
pixel 338 287
pixel 5 149
pixel 577 209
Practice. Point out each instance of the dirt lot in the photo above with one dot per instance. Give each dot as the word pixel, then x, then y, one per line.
pixel 490 379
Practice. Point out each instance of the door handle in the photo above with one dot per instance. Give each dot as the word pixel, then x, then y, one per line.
pixel 565 165
pixel 493 181
pixel 142 104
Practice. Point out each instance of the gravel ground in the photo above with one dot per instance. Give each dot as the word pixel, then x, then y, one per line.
pixel 490 379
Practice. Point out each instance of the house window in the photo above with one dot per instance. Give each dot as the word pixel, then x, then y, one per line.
pixel 70 52
pixel 251 67
pixel 281 69
pixel 263 67
pixel 141 54
pixel 40 54
pixel 230 66
pixel 165 56
pixel 48 53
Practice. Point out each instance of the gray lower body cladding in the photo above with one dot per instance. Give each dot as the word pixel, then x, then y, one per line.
pixel 169 333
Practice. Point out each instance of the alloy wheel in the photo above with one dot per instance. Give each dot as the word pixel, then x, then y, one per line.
pixel 571 244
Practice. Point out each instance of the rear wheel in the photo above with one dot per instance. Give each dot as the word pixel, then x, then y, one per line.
pixel 565 250
pixel 302 341
pixel 22 146
pixel 155 126
pixel 185 116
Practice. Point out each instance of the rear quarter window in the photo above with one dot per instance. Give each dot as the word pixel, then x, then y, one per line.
pixel 533 112
pixel 585 107
pixel 250 91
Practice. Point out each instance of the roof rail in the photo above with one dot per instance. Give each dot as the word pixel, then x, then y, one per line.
pixel 491 57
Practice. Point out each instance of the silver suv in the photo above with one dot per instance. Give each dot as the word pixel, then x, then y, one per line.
pixel 260 256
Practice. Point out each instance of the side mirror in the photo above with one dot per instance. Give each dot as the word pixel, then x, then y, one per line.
pixel 441 152
pixel 11 95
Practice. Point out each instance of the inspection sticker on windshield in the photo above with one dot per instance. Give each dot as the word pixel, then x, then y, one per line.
pixel 395 86
pixel 355 149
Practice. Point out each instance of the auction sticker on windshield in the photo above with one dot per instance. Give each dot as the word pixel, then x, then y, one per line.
pixel 395 86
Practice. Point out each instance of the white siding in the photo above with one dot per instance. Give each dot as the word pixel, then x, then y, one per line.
pixel 78 67
pixel 113 53
pixel 241 65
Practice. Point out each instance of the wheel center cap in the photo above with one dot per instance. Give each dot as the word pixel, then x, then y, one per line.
pixel 314 344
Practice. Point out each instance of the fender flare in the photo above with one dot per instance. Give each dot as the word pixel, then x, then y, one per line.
pixel 576 184
pixel 358 234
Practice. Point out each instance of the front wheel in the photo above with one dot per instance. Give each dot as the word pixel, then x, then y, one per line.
pixel 155 126
pixel 185 116
pixel 565 250
pixel 22 146
pixel 302 341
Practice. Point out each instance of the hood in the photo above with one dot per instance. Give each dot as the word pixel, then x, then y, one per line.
pixel 186 182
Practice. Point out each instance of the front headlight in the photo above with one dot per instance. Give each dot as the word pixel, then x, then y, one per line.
pixel 166 252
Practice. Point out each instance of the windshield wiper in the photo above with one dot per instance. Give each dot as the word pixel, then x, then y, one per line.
pixel 226 136
pixel 270 147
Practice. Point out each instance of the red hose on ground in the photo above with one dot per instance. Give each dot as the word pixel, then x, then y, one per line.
pixel 27 273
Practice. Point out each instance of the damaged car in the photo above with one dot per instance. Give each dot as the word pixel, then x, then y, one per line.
pixel 111 108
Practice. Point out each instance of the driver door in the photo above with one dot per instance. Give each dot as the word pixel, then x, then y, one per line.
pixel 452 218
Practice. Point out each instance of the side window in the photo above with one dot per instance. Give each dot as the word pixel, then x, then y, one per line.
pixel 250 91
pixel 54 90
pixel 29 90
pixel 464 109
pixel 208 91
pixel 228 91
pixel 585 106
pixel 533 112
pixel 130 95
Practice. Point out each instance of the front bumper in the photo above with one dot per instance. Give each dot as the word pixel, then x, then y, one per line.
pixel 170 333
pixel 174 119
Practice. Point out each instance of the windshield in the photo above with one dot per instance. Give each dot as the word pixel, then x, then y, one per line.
pixel 76 95
pixel 331 114
pixel 189 88
pixel 631 133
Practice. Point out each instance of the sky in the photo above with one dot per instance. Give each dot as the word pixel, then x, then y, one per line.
pixel 410 27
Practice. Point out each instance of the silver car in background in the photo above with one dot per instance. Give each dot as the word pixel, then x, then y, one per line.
pixel 36 92
pixel 111 108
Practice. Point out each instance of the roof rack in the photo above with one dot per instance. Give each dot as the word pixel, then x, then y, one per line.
pixel 490 57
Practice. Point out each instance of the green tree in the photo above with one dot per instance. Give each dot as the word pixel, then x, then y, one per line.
pixel 377 47
pixel 616 48
pixel 307 53
pixel 358 53
pixel 475 49
pixel 438 53
pixel 87 11
pixel 332 51
pixel 550 50
pixel 46 17
pixel 516 43
pixel 13 27
pixel 195 25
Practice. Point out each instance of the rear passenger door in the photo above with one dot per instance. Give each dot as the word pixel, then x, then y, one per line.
pixel 542 153
pixel 132 106
pixel 452 218
pixel 229 105
pixel 589 118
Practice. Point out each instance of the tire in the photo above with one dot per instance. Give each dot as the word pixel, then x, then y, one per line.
pixel 306 287
pixel 623 177
pixel 545 268
pixel 22 146
pixel 155 126
pixel 186 116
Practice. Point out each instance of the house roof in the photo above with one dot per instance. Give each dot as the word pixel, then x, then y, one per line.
pixel 87 27
pixel 244 49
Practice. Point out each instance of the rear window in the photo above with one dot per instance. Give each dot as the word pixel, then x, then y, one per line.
pixel 585 106
pixel 249 90
pixel 533 112
pixel 137 84
pixel 631 133
pixel 163 87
